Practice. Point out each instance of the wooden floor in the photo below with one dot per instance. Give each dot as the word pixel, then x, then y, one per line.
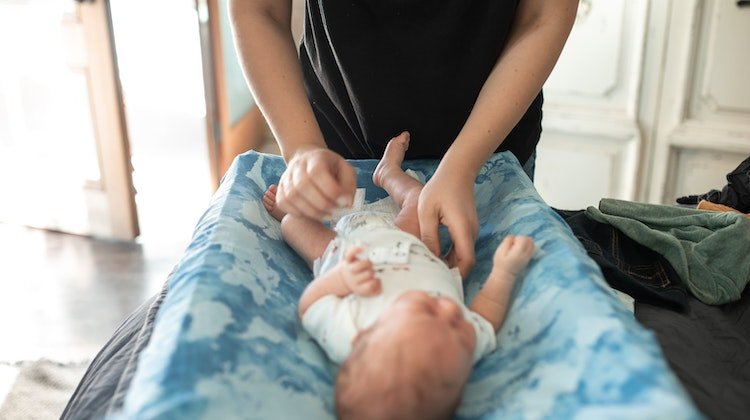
pixel 62 296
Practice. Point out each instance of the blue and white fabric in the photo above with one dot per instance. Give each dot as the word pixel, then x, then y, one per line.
pixel 227 342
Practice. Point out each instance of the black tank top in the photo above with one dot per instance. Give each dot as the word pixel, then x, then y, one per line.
pixel 374 68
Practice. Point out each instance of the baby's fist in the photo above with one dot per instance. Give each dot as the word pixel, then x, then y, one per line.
pixel 513 254
pixel 359 275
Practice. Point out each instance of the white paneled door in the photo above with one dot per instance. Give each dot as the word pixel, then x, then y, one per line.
pixel 649 101
pixel 64 159
pixel 704 121
pixel 592 138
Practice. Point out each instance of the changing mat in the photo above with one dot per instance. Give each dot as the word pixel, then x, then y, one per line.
pixel 227 342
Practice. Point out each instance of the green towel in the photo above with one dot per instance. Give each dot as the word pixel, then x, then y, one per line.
pixel 709 250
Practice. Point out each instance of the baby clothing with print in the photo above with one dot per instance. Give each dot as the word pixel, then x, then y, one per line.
pixel 402 263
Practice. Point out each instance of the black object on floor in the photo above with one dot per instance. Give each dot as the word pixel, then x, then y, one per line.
pixel 627 266
pixel 736 194
pixel 708 347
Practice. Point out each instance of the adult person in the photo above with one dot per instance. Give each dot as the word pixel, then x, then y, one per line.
pixel 464 79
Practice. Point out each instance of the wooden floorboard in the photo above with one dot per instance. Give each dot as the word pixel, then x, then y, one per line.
pixel 62 296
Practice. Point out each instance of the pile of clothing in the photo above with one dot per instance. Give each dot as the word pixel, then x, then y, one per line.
pixel 658 254
pixel 685 267
pixel 735 196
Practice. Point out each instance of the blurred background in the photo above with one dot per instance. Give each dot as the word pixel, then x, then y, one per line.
pixel 118 119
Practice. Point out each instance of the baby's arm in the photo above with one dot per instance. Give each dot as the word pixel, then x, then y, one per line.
pixel 351 275
pixel 510 258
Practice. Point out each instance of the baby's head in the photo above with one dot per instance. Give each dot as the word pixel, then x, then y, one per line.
pixel 412 363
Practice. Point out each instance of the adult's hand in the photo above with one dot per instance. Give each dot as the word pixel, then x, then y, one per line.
pixel 316 182
pixel 448 199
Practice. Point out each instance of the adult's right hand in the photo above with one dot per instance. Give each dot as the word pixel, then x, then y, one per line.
pixel 316 182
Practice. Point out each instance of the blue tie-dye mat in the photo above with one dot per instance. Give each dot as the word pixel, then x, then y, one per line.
pixel 227 342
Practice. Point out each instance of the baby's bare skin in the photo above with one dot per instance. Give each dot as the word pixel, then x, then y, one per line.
pixel 404 189
pixel 310 238
pixel 439 339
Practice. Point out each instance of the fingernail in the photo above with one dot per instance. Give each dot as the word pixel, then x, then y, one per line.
pixel 342 201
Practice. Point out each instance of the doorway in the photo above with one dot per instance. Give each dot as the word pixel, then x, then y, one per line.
pixel 64 158
pixel 159 60
pixel 64 147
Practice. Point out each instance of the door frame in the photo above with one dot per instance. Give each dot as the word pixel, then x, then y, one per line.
pixel 225 139
pixel 113 147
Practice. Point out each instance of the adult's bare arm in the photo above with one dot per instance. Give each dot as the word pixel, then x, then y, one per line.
pixel 268 57
pixel 537 37
pixel 317 180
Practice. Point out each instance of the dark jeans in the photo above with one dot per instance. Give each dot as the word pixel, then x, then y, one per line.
pixel 627 265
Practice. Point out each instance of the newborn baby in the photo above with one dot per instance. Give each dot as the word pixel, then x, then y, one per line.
pixel 389 311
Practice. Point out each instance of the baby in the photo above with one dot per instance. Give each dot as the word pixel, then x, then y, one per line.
pixel 389 311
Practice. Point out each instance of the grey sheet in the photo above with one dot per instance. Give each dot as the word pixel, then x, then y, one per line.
pixel 103 386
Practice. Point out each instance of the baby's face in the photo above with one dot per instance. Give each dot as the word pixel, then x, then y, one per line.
pixel 433 330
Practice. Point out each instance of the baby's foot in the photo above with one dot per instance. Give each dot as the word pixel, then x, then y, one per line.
pixel 269 202
pixel 392 158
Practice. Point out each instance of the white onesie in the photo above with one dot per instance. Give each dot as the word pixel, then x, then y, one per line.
pixel 402 262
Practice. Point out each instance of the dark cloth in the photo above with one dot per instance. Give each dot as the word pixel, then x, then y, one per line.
pixel 103 387
pixel 374 68
pixel 627 266
pixel 709 250
pixel 708 348
pixel 736 194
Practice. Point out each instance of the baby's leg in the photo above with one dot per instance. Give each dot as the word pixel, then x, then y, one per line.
pixel 306 236
pixel 401 187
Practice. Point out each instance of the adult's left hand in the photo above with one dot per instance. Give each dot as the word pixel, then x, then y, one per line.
pixel 448 199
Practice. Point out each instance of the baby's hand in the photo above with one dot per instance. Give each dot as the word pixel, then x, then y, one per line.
pixel 513 254
pixel 359 275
